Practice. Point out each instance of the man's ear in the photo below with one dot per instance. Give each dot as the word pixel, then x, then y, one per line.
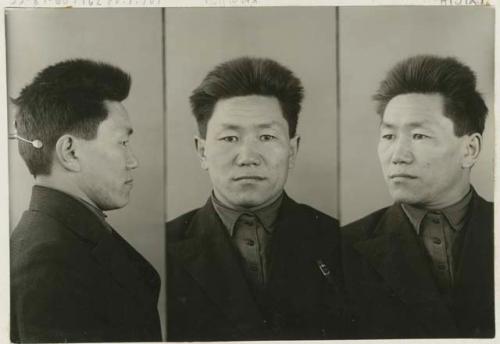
pixel 65 153
pixel 472 148
pixel 294 149
pixel 199 144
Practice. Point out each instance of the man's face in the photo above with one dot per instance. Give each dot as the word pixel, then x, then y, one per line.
pixel 107 161
pixel 421 158
pixel 247 151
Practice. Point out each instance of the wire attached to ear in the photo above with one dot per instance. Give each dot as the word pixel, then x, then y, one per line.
pixel 35 143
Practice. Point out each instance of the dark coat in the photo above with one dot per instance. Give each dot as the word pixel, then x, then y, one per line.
pixel 388 273
pixel 208 297
pixel 72 279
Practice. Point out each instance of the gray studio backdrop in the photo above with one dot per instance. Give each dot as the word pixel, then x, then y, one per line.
pixel 302 39
pixel 372 40
pixel 132 40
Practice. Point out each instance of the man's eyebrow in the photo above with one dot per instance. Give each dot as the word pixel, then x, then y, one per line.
pixel 230 126
pixel 417 124
pixel 268 125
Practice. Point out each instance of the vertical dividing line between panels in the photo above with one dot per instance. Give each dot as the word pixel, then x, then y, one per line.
pixel 338 86
pixel 164 106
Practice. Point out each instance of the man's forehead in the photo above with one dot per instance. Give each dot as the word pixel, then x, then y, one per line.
pixel 414 110
pixel 118 120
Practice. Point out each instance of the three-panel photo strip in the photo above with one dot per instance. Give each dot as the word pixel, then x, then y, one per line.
pixel 193 174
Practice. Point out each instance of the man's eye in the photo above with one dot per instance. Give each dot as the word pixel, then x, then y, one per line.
pixel 388 136
pixel 420 136
pixel 267 137
pixel 229 139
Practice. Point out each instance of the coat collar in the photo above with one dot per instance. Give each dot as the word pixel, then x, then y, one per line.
pixel 70 211
pixel 115 255
pixel 396 254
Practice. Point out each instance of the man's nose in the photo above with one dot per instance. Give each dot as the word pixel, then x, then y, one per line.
pixel 248 154
pixel 132 162
pixel 402 152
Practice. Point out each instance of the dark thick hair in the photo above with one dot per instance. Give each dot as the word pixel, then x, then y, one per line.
pixel 65 98
pixel 447 76
pixel 248 76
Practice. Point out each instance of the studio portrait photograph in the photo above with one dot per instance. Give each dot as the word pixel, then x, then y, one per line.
pixel 226 172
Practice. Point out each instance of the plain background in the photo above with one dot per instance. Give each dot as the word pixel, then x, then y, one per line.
pixel 373 40
pixel 131 40
pixel 303 39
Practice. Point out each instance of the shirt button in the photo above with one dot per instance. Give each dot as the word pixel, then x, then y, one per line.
pixel 436 241
pixel 250 242
pixel 253 267
pixel 441 267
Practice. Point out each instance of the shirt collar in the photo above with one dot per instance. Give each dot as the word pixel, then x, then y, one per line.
pixel 266 215
pixel 455 213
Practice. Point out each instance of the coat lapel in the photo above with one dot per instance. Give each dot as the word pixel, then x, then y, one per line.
pixel 298 301
pixel 209 257
pixel 127 267
pixel 395 253
pixel 474 285
pixel 294 255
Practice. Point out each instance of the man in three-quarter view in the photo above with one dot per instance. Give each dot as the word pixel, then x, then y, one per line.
pixel 423 267
pixel 251 263
pixel 73 277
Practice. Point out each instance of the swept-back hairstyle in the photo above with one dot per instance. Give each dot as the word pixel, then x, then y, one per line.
pixel 447 76
pixel 248 76
pixel 65 98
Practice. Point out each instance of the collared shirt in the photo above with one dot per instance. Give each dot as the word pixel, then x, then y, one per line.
pixel 251 233
pixel 438 231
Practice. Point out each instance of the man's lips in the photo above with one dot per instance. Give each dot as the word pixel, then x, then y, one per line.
pixel 254 178
pixel 130 182
pixel 402 176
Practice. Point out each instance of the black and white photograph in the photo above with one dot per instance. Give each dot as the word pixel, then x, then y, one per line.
pixel 86 175
pixel 416 181
pixel 250 173
pixel 252 185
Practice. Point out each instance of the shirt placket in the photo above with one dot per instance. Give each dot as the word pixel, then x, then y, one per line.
pixel 247 240
pixel 435 242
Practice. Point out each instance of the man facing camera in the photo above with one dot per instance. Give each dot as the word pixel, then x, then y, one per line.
pixel 73 277
pixel 423 267
pixel 251 263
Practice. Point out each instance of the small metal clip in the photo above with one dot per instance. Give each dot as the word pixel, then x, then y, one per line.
pixel 323 268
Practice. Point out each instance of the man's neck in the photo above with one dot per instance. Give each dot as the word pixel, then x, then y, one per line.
pixel 268 203
pixel 449 201
pixel 63 185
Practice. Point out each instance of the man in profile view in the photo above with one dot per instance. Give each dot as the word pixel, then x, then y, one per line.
pixel 251 263
pixel 423 267
pixel 73 277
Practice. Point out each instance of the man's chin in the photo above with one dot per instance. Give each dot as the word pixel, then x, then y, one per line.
pixel 113 205
pixel 405 196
